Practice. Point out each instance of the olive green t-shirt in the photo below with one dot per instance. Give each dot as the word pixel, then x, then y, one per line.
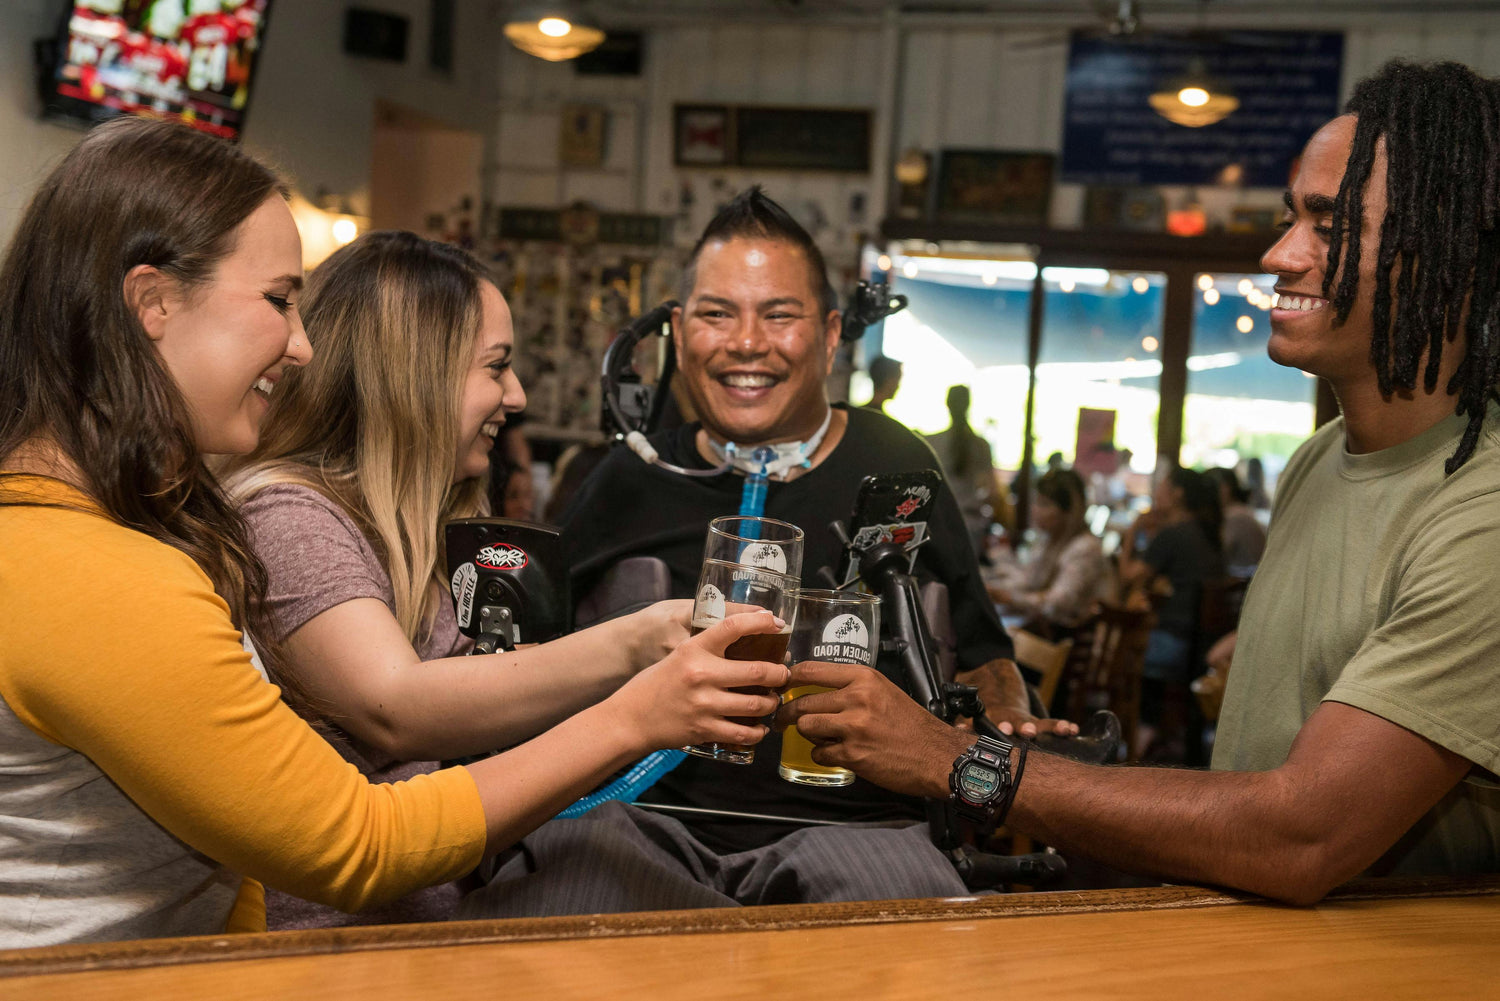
pixel 1380 589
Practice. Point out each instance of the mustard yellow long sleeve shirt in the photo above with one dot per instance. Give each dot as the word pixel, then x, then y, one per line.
pixel 146 766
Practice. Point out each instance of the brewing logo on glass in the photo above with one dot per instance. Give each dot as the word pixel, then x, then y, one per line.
pixel 846 640
pixel 710 605
pixel 766 555
pixel 501 556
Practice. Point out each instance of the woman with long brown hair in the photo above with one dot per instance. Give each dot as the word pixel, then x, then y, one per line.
pixel 150 778
pixel 360 463
pixel 1067 572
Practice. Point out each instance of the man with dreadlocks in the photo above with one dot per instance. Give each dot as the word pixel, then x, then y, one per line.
pixel 1361 726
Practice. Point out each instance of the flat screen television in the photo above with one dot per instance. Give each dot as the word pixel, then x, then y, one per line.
pixel 193 60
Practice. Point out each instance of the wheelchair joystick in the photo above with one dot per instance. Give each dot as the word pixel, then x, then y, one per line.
pixel 883 568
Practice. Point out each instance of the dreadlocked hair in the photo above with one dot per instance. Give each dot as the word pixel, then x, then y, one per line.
pixel 1438 243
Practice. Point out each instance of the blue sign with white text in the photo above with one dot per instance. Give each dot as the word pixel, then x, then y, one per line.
pixel 1287 83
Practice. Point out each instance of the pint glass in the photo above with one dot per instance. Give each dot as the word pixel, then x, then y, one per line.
pixel 837 627
pixel 725 589
pixel 757 542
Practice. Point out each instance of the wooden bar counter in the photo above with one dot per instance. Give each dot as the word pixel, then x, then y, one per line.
pixel 1378 939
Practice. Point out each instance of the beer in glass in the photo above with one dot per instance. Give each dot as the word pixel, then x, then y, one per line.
pixel 836 627
pixel 725 589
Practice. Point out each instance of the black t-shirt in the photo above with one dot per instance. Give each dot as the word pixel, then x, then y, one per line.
pixel 1183 554
pixel 630 508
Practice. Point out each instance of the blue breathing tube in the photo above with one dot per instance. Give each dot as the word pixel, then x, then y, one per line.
pixel 628 787
pixel 753 496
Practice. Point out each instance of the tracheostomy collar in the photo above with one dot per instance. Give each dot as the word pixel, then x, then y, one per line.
pixel 762 462
pixel 772 460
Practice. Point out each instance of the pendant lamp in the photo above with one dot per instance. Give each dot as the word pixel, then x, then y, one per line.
pixel 554 32
pixel 1194 99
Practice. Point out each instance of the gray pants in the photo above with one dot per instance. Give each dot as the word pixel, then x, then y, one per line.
pixel 620 858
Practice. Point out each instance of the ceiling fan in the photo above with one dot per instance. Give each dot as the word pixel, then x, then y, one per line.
pixel 1115 19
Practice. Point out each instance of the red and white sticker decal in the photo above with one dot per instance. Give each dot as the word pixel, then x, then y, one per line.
pixel 501 556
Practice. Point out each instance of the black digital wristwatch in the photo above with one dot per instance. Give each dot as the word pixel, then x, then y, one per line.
pixel 980 784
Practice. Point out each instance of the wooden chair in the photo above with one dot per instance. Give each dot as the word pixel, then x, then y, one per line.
pixel 1045 658
pixel 1105 668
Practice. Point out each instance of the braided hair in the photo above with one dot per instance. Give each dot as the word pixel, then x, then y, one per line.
pixel 1439 242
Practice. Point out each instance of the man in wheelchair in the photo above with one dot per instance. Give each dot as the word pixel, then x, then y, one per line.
pixel 755 340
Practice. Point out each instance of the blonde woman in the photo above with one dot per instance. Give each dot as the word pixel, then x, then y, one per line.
pixel 364 455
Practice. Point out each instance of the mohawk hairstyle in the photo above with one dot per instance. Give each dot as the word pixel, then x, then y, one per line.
pixel 1439 242
pixel 752 214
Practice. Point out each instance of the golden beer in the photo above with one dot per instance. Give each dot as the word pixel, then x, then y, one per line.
pixel 797 764
pixel 832 627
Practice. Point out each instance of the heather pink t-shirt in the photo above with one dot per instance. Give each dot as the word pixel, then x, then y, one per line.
pixel 316 558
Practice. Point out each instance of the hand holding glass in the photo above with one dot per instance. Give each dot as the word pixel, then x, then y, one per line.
pixel 836 627
pixel 727 588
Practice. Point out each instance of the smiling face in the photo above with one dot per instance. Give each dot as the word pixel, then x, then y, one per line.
pixel 490 389
pixel 1303 332
pixel 753 342
pixel 226 343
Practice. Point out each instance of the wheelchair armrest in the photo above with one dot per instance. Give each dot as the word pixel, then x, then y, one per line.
pixel 937 609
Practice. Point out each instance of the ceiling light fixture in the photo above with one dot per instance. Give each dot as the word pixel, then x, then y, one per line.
pixel 554 32
pixel 1195 99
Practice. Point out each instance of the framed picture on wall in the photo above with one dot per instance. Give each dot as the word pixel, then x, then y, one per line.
pixel 1124 208
pixel 994 186
pixel 802 138
pixel 581 137
pixel 702 136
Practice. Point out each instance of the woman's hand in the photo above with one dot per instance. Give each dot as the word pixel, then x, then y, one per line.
pixel 657 630
pixel 688 697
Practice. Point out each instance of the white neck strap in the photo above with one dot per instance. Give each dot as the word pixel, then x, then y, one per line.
pixel 784 456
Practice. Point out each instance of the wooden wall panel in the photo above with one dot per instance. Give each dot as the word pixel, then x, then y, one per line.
pixel 998 86
pixel 970 65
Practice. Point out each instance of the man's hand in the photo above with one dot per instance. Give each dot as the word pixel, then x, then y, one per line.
pixel 873 728
pixel 1007 703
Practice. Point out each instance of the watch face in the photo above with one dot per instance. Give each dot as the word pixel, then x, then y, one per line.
pixel 977 782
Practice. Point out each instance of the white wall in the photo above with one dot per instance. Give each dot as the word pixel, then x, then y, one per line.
pixel 313 110
pixel 29 147
pixel 822 66
pixel 419 172
pixel 995 82
pixel 312 113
